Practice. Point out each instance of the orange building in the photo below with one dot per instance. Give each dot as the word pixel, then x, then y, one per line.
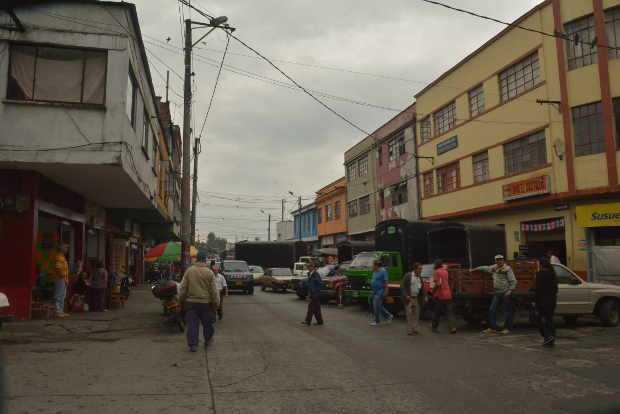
pixel 332 215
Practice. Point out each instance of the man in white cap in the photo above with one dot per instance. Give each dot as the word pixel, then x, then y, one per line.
pixel 504 282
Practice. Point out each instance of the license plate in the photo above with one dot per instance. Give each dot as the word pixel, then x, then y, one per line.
pixel 238 284
pixel 389 301
pixel 356 294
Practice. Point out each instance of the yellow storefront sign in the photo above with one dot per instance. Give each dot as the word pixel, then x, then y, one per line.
pixel 599 215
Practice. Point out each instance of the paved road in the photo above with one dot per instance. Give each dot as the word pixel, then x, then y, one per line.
pixel 264 361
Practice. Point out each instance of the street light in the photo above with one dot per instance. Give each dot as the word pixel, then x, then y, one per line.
pixel 268 225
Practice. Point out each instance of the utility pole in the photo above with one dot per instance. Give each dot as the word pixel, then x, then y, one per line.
pixel 167 84
pixel 299 206
pixel 195 189
pixel 283 201
pixel 187 118
pixel 269 228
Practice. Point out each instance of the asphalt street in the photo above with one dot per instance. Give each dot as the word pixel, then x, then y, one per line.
pixel 264 361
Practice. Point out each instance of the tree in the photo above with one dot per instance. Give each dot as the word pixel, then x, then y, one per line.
pixel 215 244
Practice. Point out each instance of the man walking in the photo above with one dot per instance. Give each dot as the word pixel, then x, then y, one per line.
pixel 504 282
pixel 442 297
pixel 411 287
pixel 61 278
pixel 200 298
pixel 379 285
pixel 314 291
pixel 222 287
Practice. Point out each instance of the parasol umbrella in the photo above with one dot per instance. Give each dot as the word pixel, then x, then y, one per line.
pixel 169 252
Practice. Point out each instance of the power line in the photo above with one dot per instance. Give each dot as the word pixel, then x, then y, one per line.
pixel 217 80
pixel 529 29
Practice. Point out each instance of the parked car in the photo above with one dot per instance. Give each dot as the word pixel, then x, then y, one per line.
pixel 257 273
pixel 278 279
pixel 332 283
pixel 238 276
pixel 300 268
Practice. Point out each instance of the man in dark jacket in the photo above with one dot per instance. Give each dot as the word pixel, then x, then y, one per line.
pixel 546 298
pixel 314 291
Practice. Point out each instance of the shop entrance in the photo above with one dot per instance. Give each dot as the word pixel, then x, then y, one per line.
pixel 543 236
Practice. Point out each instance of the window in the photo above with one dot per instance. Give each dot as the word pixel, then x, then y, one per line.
pixel 352 207
pixel 329 213
pixel 337 210
pixel 362 166
pixel 607 236
pixel 525 153
pixel 396 146
pixel 319 216
pixel 612 24
pixel 520 77
pixel 380 154
pixel 364 203
pixel 476 101
pixel 352 170
pixel 580 43
pixel 588 127
pixel 382 199
pixel 130 103
pixel 399 194
pixel 429 187
pixel 617 116
pixel 565 277
pixel 147 134
pixel 445 118
pixel 481 167
pixel 57 74
pixel 425 129
pixel 155 157
pixel 448 178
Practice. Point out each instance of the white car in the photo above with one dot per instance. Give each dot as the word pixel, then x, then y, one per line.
pixel 300 269
pixel 577 298
pixel 4 308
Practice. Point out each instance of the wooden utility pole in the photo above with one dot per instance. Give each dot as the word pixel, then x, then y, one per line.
pixel 187 118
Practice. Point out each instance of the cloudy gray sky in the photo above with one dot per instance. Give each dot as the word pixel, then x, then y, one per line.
pixel 262 141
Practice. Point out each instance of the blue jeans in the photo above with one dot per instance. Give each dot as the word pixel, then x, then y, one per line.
pixel 378 308
pixel 196 314
pixel 60 291
pixel 506 301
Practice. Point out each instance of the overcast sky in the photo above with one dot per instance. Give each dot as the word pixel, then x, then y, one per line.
pixel 262 141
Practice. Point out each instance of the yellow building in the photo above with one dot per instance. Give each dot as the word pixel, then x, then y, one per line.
pixel 524 133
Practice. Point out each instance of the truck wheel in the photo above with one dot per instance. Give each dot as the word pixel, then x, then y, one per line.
pixel 609 312
pixel 571 320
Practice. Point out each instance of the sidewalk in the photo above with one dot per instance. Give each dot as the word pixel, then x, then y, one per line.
pixel 120 361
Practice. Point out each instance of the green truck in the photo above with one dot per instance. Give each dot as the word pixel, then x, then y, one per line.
pixel 398 244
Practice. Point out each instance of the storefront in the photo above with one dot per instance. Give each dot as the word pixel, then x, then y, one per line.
pixel 602 243
pixel 543 236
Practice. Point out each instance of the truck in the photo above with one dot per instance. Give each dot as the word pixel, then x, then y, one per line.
pixel 348 249
pixel 270 254
pixel 398 245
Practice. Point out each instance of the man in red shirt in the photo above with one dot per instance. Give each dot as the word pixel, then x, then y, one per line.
pixel 442 295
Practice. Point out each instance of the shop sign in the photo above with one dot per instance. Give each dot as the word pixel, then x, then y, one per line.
pixel 447 145
pixel 14 203
pixel 527 188
pixel 599 215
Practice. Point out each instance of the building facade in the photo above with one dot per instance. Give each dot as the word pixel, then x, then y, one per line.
pixel 83 157
pixel 524 134
pixel 284 230
pixel 360 166
pixel 305 226
pixel 331 213
pixel 396 167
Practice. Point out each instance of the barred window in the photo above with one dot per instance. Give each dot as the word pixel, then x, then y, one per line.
pixel 364 204
pixel 481 167
pixel 612 24
pixel 445 118
pixel 399 194
pixel 396 146
pixel 588 127
pixel 352 207
pixel 476 101
pixel 429 186
pixel 362 166
pixel 352 170
pixel 525 153
pixel 580 44
pixel 448 178
pixel 520 77
pixel 425 129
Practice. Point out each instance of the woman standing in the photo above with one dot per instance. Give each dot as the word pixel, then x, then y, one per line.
pixel 96 289
pixel 546 298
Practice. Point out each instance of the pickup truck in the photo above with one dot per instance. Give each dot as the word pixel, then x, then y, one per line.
pixel 576 298
pixel 238 276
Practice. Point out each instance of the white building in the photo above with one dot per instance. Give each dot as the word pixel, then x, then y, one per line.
pixel 84 154
pixel 284 230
